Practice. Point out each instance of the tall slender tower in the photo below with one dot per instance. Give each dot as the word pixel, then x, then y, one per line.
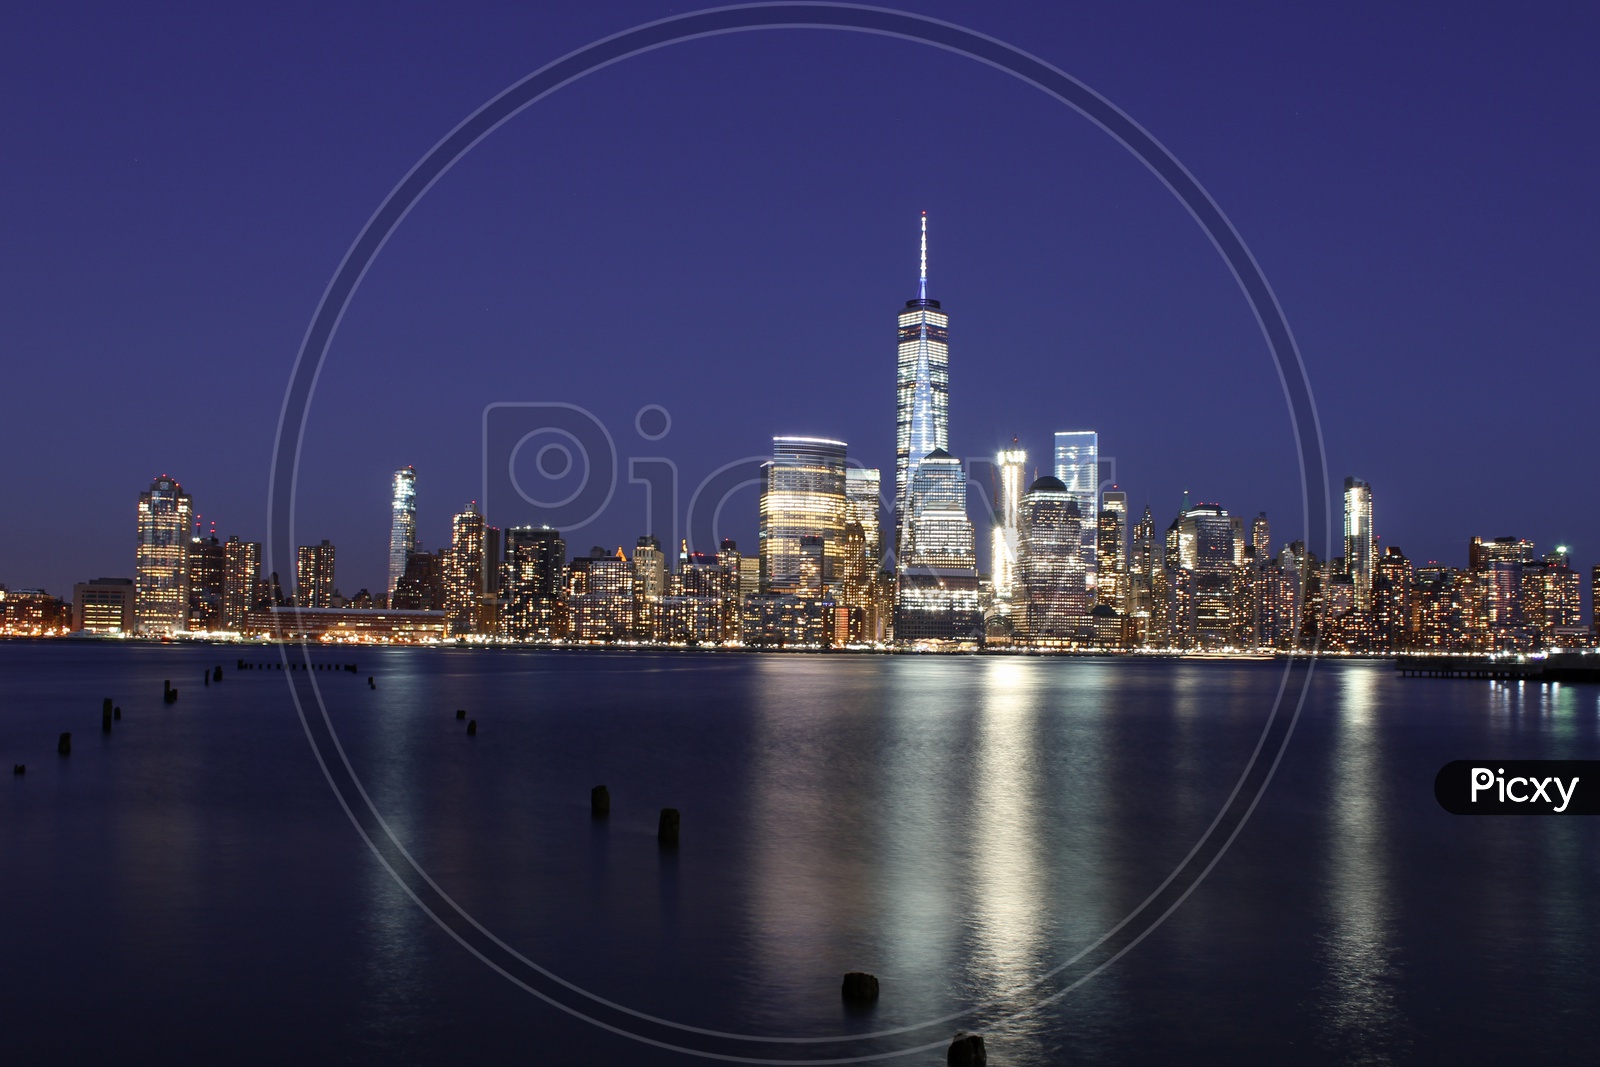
pixel 1010 463
pixel 1358 544
pixel 161 568
pixel 402 523
pixel 922 390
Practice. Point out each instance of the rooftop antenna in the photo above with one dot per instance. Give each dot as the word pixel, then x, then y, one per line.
pixel 922 292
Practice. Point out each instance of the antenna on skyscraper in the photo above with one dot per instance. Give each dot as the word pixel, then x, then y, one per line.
pixel 922 292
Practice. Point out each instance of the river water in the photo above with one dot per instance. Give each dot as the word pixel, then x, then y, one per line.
pixel 191 888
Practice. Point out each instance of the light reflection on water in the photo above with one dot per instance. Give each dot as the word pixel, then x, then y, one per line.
pixel 957 826
pixel 1363 1016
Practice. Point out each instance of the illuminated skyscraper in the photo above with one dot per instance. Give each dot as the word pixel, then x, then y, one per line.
pixel 1358 544
pixel 1009 464
pixel 241 568
pixel 1078 468
pixel 402 523
pixel 536 559
pixel 313 576
pixel 803 497
pixel 922 389
pixel 464 572
pixel 863 498
pixel 937 593
pixel 1261 536
pixel 1052 592
pixel 1111 551
pixel 161 566
pixel 207 564
pixel 649 587
pixel 863 555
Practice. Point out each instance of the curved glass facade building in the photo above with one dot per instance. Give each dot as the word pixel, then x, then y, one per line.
pixel 803 516
pixel 402 523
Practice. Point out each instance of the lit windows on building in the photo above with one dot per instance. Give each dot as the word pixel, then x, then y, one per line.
pixel 313 576
pixel 1010 465
pixel 103 606
pixel 1051 602
pixel 1077 456
pixel 1358 540
pixel 402 523
pixel 241 570
pixel 535 566
pixel 803 516
pixel 922 388
pixel 600 597
pixel 464 571
pixel 207 572
pixel 161 567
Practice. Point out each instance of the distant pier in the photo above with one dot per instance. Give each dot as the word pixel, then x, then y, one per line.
pixel 1558 667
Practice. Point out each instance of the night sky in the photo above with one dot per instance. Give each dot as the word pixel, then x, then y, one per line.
pixel 727 228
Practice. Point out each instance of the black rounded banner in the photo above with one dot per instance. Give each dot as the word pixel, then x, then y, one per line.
pixel 1519 787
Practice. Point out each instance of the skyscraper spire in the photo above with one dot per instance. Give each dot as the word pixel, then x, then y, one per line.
pixel 922 288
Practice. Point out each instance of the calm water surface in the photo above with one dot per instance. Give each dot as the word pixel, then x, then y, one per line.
pixel 189 888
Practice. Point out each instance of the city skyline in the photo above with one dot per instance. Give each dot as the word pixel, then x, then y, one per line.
pixel 1060 574
pixel 1075 272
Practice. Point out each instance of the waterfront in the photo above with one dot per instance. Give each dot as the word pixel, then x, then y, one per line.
pixel 959 826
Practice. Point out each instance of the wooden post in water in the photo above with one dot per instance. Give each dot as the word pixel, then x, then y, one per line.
pixel 667 832
pixel 599 802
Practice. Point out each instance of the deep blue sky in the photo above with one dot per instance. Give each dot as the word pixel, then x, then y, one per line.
pixel 727 228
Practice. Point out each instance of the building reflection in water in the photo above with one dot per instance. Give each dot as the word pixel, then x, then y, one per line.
pixel 1359 950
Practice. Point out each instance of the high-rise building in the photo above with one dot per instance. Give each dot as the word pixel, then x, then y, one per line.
pixel 1111 551
pixel 207 564
pixel 600 596
pixel 1261 536
pixel 1205 542
pixel 1551 602
pixel 1441 609
pixel 1496 568
pixel 241 570
pixel 937 596
pixel 863 501
pixel 161 566
pixel 1145 555
pixel 1078 468
pixel 1052 603
pixel 313 576
pixel 803 516
pixel 649 587
pixel 422 586
pixel 103 606
pixel 1009 465
pixel 922 389
pixel 402 523
pixel 464 572
pixel 1358 542
pixel 1594 599
pixel 535 567
pixel 1392 581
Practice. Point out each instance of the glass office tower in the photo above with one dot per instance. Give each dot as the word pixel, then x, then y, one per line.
pixel 922 388
pixel 803 516
pixel 1078 468
pixel 1358 545
pixel 402 523
pixel 161 564
pixel 1009 464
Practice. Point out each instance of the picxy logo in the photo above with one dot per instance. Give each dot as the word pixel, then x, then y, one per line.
pixel 1483 778
pixel 1517 787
